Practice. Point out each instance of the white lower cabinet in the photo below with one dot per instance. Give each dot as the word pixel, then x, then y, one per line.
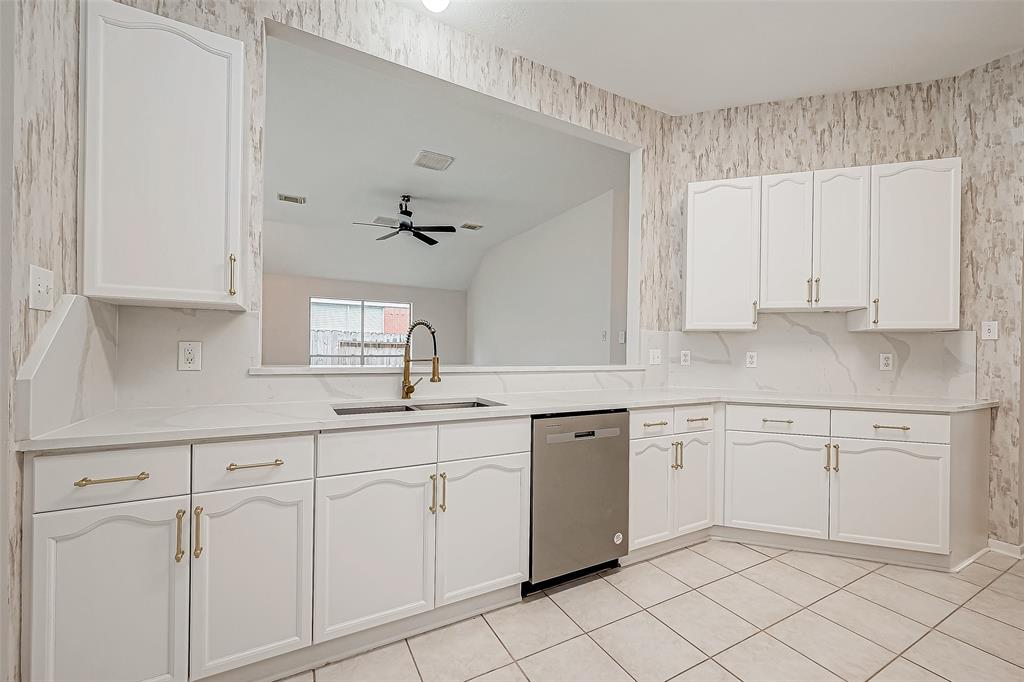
pixel 483 526
pixel 777 483
pixel 890 494
pixel 252 575
pixel 110 592
pixel 671 481
pixel 375 549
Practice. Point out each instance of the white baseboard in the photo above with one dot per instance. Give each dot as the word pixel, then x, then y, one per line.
pixel 1016 551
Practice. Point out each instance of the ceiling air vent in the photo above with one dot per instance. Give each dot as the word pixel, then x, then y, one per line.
pixel 291 198
pixel 433 161
pixel 385 221
pixel 471 226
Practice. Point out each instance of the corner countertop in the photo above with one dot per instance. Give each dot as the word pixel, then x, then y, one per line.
pixel 151 425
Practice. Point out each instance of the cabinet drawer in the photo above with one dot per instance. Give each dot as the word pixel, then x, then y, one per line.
pixel 654 421
pixel 693 418
pixel 462 440
pixel 82 480
pixel 219 466
pixel 351 451
pixel 899 426
pixel 772 419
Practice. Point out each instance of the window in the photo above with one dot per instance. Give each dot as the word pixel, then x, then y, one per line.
pixel 357 333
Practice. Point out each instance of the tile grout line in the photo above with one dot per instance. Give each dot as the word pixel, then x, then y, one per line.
pixel 413 657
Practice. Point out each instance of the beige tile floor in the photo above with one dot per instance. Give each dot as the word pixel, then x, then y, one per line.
pixel 727 611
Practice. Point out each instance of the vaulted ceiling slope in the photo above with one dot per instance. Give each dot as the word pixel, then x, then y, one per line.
pixel 689 56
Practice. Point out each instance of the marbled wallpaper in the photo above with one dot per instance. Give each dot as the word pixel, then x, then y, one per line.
pixel 978 115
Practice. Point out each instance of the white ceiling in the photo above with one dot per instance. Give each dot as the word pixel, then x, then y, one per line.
pixel 688 56
pixel 343 132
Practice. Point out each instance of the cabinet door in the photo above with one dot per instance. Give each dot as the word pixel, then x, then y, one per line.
pixel 651 490
pixel 483 526
pixel 110 593
pixel 842 222
pixel 891 494
pixel 722 254
pixel 777 483
pixel 915 247
pixel 374 558
pixel 786 202
pixel 162 160
pixel 252 575
pixel 693 487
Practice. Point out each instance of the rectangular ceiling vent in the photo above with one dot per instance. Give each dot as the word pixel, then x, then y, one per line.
pixel 385 221
pixel 291 198
pixel 471 226
pixel 433 160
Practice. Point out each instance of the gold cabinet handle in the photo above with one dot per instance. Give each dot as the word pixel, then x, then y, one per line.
pixel 835 467
pixel 433 494
pixel 179 551
pixel 231 277
pixel 82 483
pixel 197 512
pixel 809 290
pixel 903 427
pixel 444 492
pixel 755 313
pixel 766 420
pixel 648 425
pixel 690 420
pixel 675 455
pixel 235 467
pixel 817 289
pixel 828 456
pixel 875 302
pixel 680 450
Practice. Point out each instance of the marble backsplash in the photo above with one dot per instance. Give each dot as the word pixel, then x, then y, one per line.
pixel 813 353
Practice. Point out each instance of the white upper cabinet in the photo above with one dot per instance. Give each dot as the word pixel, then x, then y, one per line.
pixel 915 247
pixel 786 203
pixel 842 221
pixel 162 160
pixel 722 254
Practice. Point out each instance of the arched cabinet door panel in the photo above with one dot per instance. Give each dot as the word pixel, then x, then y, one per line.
pixel 162 157
pixel 786 216
pixel 110 593
pixel 651 490
pixel 694 483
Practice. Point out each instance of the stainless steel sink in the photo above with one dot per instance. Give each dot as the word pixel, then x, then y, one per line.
pixel 384 408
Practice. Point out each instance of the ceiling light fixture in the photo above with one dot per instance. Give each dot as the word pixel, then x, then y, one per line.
pixel 436 5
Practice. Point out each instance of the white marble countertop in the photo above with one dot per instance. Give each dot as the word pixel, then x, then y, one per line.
pixel 124 427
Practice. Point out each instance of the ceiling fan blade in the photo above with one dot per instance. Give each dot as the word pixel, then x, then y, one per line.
pixel 424 238
pixel 387 236
pixel 389 227
pixel 434 228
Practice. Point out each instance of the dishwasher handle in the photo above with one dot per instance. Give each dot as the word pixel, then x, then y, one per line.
pixel 574 436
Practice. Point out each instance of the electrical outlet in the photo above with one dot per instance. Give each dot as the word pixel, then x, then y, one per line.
pixel 622 336
pixel 190 356
pixel 751 358
pixel 885 362
pixel 684 358
pixel 654 356
pixel 604 335
pixel 989 330
pixel 40 283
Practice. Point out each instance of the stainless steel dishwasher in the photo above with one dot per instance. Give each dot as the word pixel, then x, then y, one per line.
pixel 580 514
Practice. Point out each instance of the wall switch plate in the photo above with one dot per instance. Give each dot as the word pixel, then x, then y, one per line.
pixel 989 330
pixel 622 336
pixel 654 356
pixel 684 358
pixel 190 356
pixel 885 362
pixel 40 288
pixel 751 358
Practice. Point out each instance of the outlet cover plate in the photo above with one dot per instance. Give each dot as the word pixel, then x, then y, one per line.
pixel 190 356
pixel 885 362
pixel 684 358
pixel 751 359
pixel 654 356
pixel 622 336
pixel 990 330
pixel 40 283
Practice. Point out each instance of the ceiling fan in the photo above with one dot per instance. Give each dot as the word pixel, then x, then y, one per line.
pixel 405 225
